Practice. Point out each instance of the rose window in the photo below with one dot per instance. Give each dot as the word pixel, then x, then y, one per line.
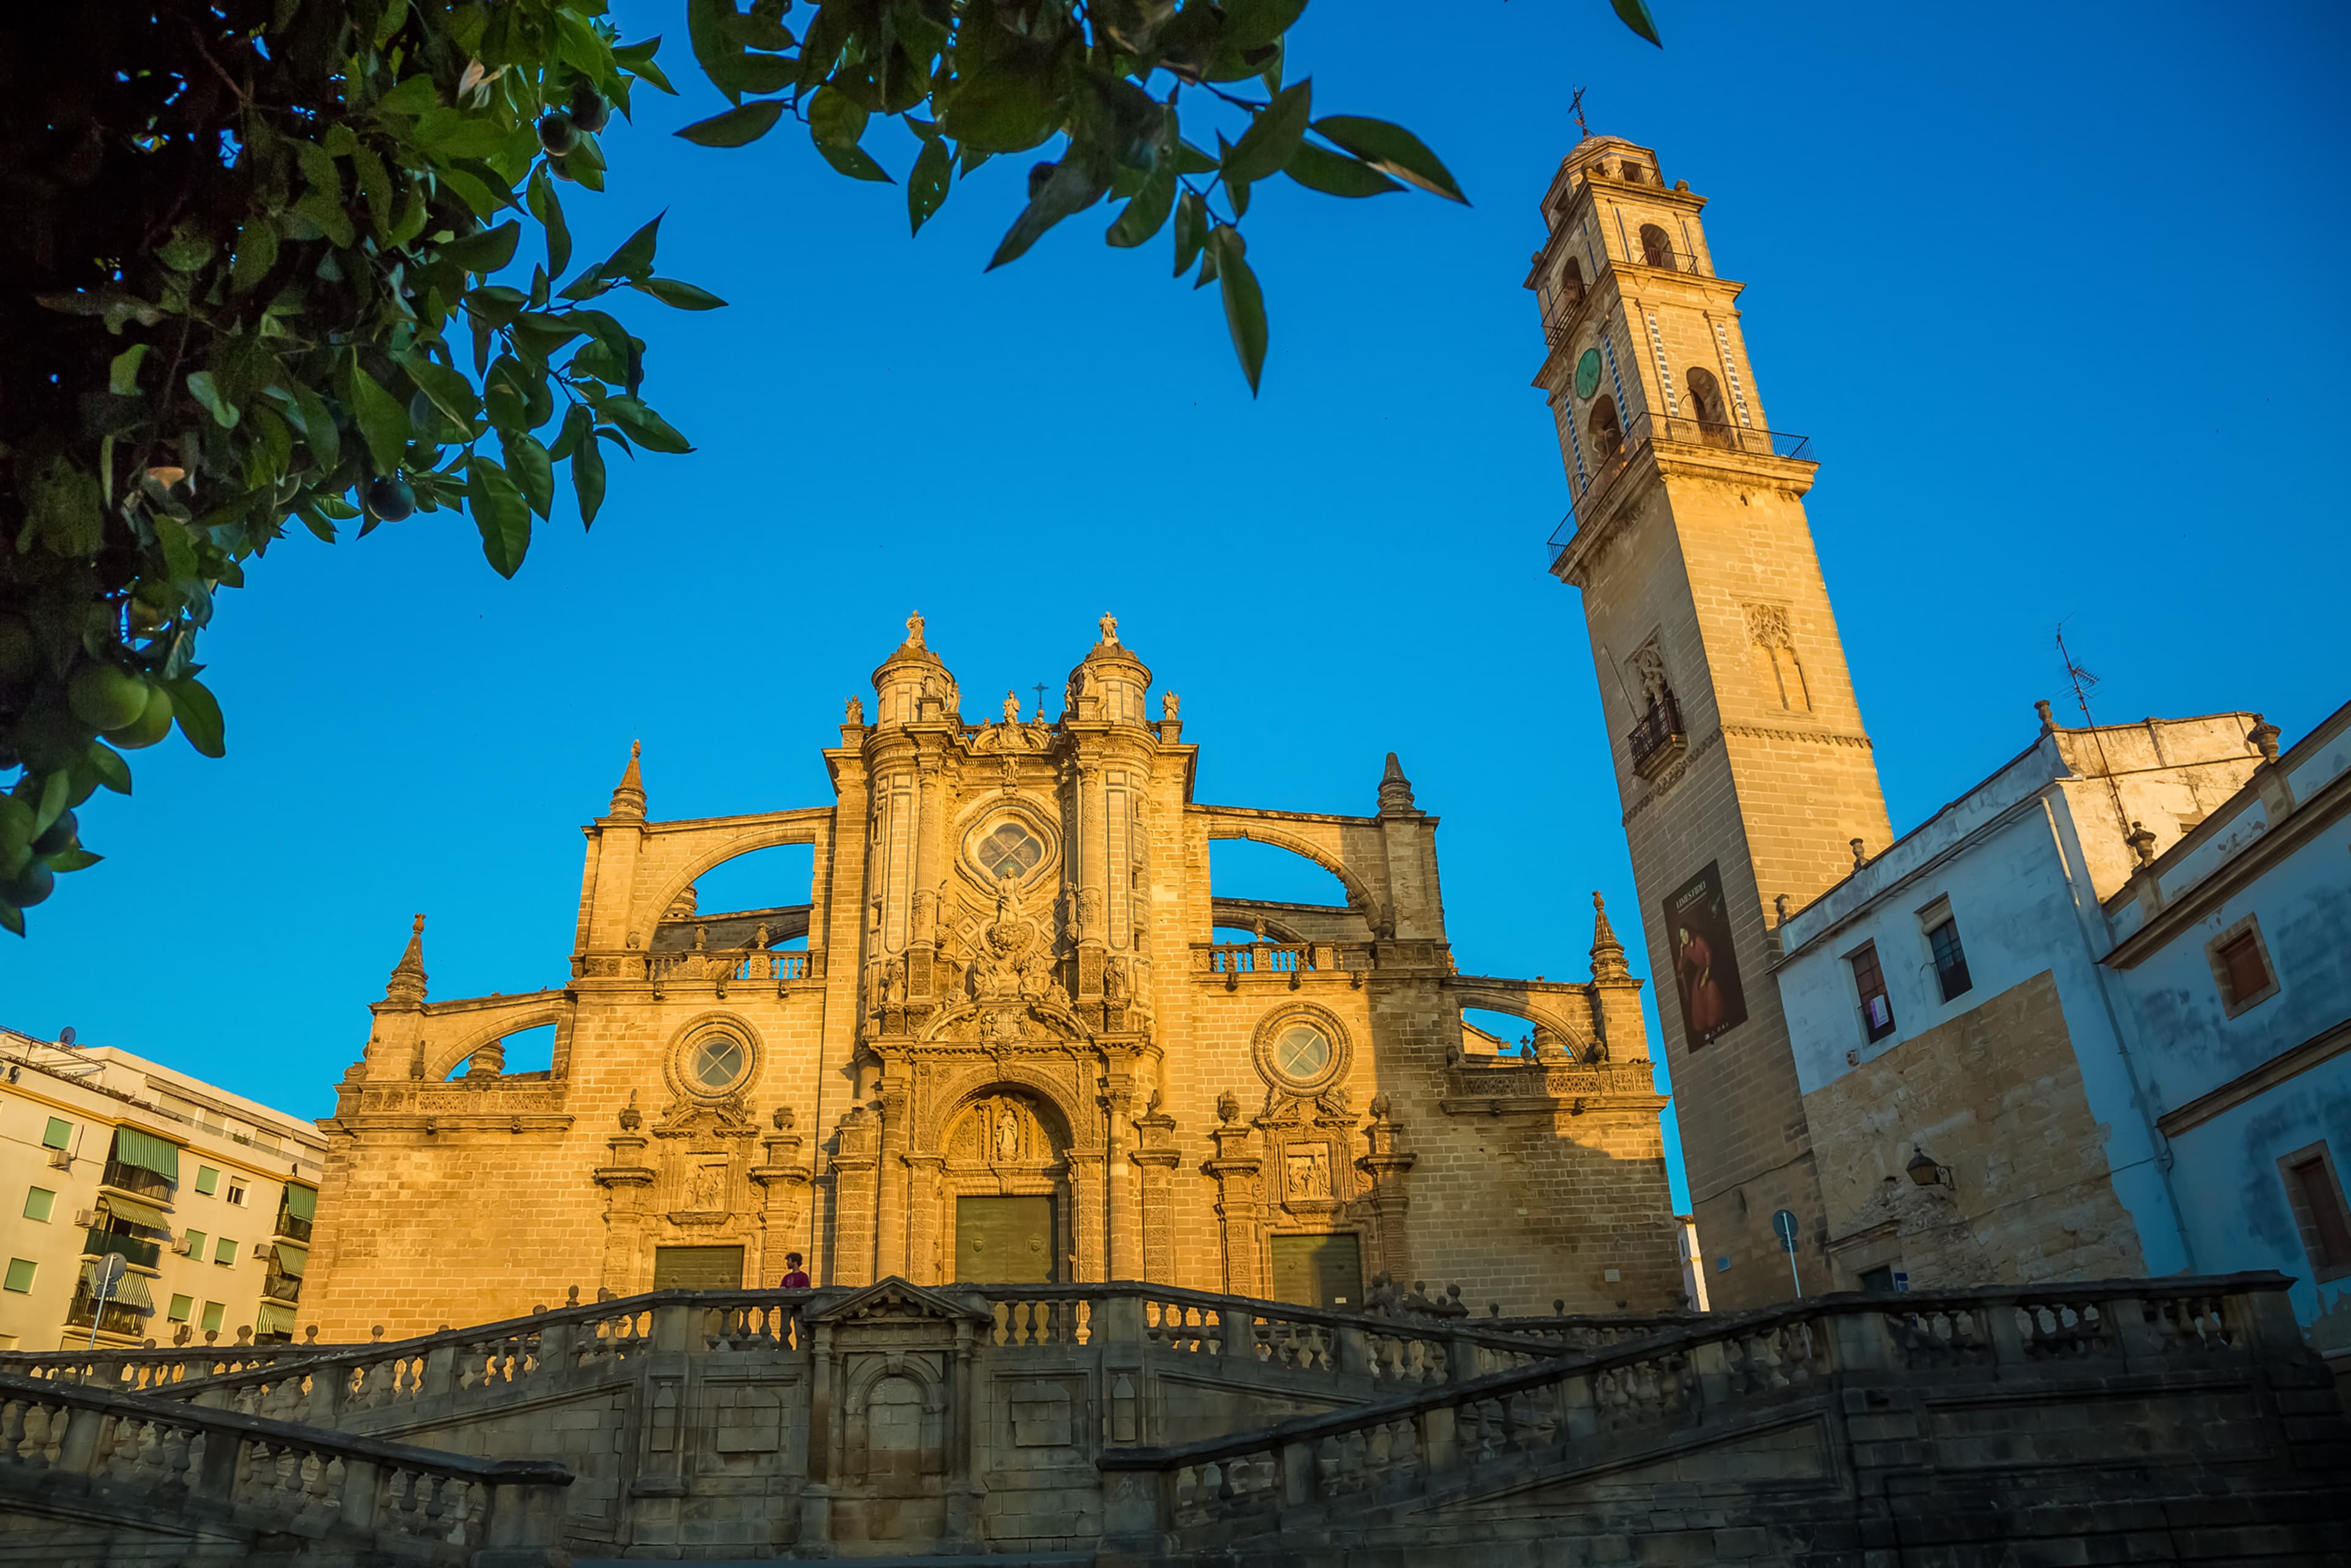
pixel 719 1063
pixel 1010 851
pixel 1302 1052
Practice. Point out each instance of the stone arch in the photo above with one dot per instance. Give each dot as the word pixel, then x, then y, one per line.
pixel 443 1061
pixel 1576 1032
pixel 1054 1099
pixel 764 835
pixel 1359 893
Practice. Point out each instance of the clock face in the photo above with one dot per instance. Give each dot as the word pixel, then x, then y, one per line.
pixel 1587 373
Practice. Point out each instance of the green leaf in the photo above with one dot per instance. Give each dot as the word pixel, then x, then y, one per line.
pixel 653 432
pixel 638 60
pixel 735 127
pixel 1191 230
pixel 485 252
pixel 494 305
pixel 1253 24
pixel 635 256
pixel 926 187
pixel 500 513
pixel 186 251
pixel 205 391
pixel 103 764
pixel 532 469
pixel 1244 302
pixel 577 423
pixel 836 121
pixel 319 430
pixel 1190 159
pixel 1009 106
pixel 682 296
pixel 198 714
pixel 1267 144
pixel 450 392
pixel 123 371
pixel 1392 150
pixel 1335 174
pixel 716 47
pixel 1147 210
pixel 588 474
pixel 375 186
pixel 1634 13
pixel 382 421
pixel 549 214
pixel 1077 182
pixel 64 860
pixel 256 253
pixel 760 32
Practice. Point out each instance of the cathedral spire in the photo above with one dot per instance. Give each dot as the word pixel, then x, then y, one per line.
pixel 629 795
pixel 407 983
pixel 1395 790
pixel 1607 953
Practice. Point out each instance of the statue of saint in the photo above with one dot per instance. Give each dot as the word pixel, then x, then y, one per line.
pixel 855 712
pixel 915 630
pixel 1012 707
pixel 1170 706
pixel 1008 1135
pixel 1109 624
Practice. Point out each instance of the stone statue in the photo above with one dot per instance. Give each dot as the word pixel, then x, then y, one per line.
pixel 1012 707
pixel 1649 668
pixel 915 630
pixel 1170 704
pixel 1007 1135
pixel 1109 624
pixel 855 712
pixel 708 1192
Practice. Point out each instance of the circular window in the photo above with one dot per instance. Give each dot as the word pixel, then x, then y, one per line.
pixel 717 1063
pixel 1302 1052
pixel 1009 850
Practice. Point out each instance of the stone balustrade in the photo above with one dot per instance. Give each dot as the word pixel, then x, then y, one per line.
pixel 1207 1494
pixel 70 1452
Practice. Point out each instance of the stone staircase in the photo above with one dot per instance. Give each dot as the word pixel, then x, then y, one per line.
pixel 1129 1423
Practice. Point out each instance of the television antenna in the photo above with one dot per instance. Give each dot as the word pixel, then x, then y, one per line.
pixel 65 1035
pixel 2083 682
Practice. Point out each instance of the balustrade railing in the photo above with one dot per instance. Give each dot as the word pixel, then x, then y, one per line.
pixel 694 964
pixel 1646 429
pixel 409 1504
pixel 1674 1375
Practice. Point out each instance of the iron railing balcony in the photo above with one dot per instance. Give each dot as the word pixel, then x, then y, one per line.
pixel 97 1243
pixel 291 1227
pixel 1649 428
pixel 138 1181
pixel 282 1287
pixel 1657 739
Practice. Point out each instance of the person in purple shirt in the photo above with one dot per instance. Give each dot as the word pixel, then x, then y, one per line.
pixel 795 1277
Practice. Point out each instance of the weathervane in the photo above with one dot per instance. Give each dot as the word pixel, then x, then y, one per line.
pixel 1575 107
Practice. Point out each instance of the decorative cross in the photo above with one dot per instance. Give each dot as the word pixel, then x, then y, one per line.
pixel 1575 107
pixel 1040 702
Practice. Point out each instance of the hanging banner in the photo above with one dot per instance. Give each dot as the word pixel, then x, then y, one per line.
pixel 1706 967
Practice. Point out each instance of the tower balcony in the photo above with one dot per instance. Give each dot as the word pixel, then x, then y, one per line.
pixel 1648 430
pixel 1658 738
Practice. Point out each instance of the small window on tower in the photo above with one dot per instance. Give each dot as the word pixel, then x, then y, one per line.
pixel 1635 172
pixel 1571 285
pixel 1607 433
pixel 1869 986
pixel 1657 249
pixel 1706 401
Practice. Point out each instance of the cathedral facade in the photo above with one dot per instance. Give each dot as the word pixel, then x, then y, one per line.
pixel 1002 1041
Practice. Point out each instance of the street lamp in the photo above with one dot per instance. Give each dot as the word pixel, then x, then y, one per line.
pixel 1926 1171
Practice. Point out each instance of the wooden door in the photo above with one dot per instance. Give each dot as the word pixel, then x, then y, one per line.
pixel 1005 1240
pixel 1319 1272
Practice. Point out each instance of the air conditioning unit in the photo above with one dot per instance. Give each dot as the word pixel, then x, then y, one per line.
pixel 61 1159
pixel 263 1249
pixel 86 1219
pixel 180 1245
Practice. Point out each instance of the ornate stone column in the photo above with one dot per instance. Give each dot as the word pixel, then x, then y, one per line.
pixel 1088 1231
pixel 854 1199
pixel 890 1248
pixel 1093 889
pixel 1236 1169
pixel 625 1179
pixel 783 1181
pixel 1155 1161
pixel 1384 1167
pixel 922 1263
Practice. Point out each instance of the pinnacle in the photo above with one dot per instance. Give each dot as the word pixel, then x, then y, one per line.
pixel 1607 953
pixel 629 795
pixel 1395 790
pixel 407 982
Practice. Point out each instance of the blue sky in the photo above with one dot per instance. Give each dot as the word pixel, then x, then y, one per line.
pixel 2056 295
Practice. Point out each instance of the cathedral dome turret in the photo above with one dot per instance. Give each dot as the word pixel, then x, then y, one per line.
pixel 912 686
pixel 1109 683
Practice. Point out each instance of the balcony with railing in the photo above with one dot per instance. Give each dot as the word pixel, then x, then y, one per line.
pixel 277 1287
pixel 1648 430
pixel 291 1226
pixel 698 964
pixel 98 1243
pixel 138 1182
pixel 1658 738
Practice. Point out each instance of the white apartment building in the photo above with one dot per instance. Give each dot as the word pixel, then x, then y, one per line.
pixel 208 1198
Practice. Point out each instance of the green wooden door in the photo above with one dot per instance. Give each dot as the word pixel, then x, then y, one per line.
pixel 697 1268
pixel 1005 1240
pixel 1319 1272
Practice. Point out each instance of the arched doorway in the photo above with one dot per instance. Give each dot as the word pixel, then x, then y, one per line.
pixel 1006 1215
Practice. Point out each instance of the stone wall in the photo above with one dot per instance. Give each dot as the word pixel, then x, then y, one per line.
pixel 1994 1096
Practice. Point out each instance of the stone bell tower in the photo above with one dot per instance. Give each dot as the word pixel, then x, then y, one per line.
pixel 1740 758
